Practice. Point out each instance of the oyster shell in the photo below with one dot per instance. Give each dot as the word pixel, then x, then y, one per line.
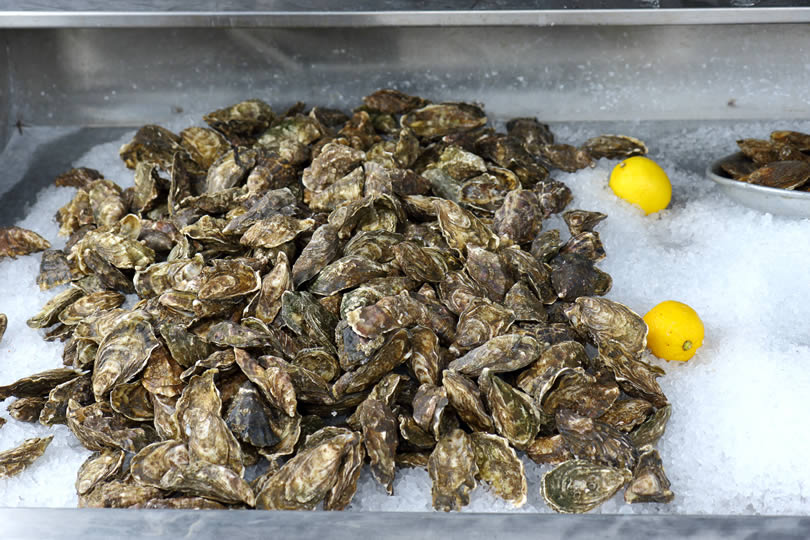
pixel 650 482
pixel 596 442
pixel 514 413
pixel 26 409
pixel 15 460
pixel 465 397
pixel 577 486
pixel 510 352
pixel 15 241
pixel 499 466
pixel 452 467
pixel 614 147
pixel 440 119
pixel 99 467
pixel 54 269
pixel 315 473
pixel 123 352
pixel 789 174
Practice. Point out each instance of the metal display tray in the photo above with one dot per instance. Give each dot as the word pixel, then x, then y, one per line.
pixel 95 72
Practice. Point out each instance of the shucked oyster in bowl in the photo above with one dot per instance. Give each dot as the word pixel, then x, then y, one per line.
pixel 768 175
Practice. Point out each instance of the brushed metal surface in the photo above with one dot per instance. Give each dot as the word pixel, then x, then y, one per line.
pixel 357 13
pixel 91 524
pixel 5 88
pixel 459 18
pixel 130 76
pixel 306 6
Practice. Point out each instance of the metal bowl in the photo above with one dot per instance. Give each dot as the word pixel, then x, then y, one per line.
pixel 779 202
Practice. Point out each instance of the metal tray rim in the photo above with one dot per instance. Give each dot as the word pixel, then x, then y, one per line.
pixel 389 18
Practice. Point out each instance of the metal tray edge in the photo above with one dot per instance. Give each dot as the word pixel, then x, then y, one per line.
pixel 460 18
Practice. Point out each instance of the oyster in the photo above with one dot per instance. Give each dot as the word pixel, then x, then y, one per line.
pixel 123 352
pixel 151 143
pixel 789 174
pixel 98 426
pixel 614 147
pixel 319 361
pixel 510 352
pixel 530 132
pixel 579 221
pixel 548 450
pixel 425 362
pixel 431 410
pixel 636 377
pixel 275 231
pixel 380 437
pixel 514 413
pixel 274 383
pixel 461 228
pixel 391 101
pixel 99 467
pixel 54 269
pixel 209 480
pixel 566 157
pixel 395 351
pixel 738 165
pixel 78 388
pixel 796 139
pixel 26 409
pixel 78 177
pixel 315 473
pixel 649 431
pixel 132 401
pixel 764 152
pixel 248 418
pixel 118 494
pixel 440 119
pixel 242 120
pixel 465 397
pixel 578 486
pixel 573 275
pixel 203 429
pixel 499 466
pixel 38 384
pixel 89 305
pixel 650 483
pixel 15 241
pixel 452 467
pixel 345 273
pixel 573 389
pixel 596 442
pixel 15 460
pixel 627 414
pixel 479 323
pixel 520 218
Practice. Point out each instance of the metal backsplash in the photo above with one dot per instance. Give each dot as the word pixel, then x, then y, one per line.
pixel 109 77
pixel 5 88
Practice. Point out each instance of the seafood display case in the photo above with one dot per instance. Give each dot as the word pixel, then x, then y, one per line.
pixel 78 75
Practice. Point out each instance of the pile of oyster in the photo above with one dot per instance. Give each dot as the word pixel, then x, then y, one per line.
pixel 319 291
pixel 782 162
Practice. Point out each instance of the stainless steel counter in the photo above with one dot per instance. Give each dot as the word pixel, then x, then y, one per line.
pixel 395 13
pixel 87 524
pixel 93 71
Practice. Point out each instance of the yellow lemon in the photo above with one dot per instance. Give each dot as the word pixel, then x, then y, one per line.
pixel 643 182
pixel 676 331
